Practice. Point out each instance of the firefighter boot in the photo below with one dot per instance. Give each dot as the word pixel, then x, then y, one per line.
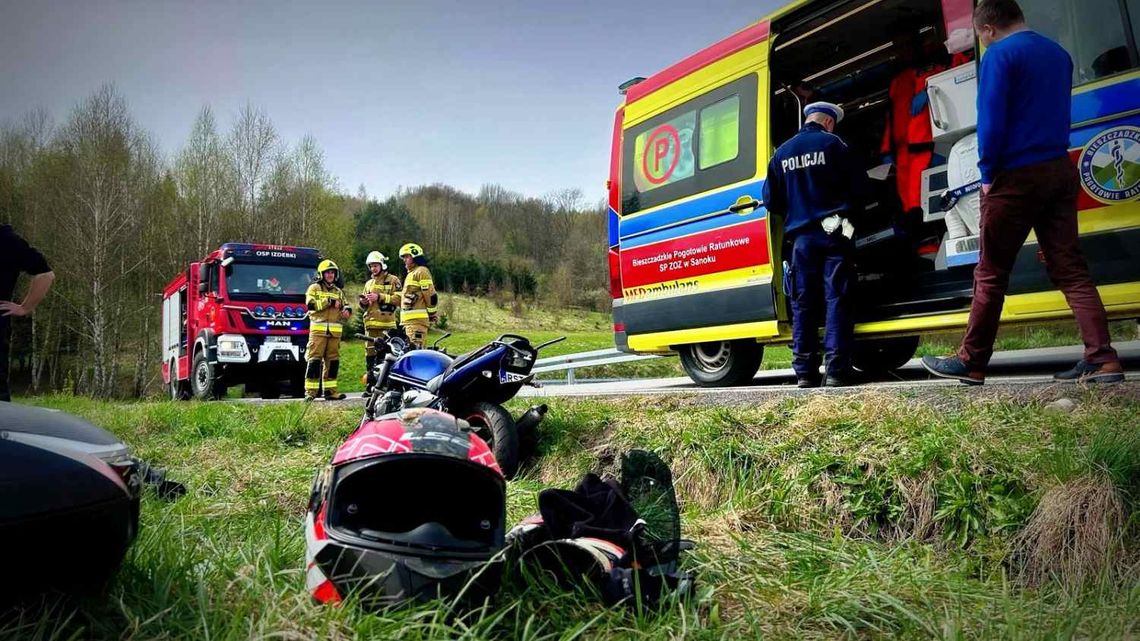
pixel 330 382
pixel 312 378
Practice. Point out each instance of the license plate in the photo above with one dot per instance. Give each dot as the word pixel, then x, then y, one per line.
pixel 277 339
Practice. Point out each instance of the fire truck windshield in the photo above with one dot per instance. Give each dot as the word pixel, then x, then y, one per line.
pixel 265 281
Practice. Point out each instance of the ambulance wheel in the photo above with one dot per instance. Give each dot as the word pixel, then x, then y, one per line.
pixel 722 363
pixel 494 424
pixel 179 390
pixel 204 379
pixel 881 355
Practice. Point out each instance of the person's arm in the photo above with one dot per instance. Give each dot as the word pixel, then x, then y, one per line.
pixel 410 293
pixel 773 189
pixel 37 289
pixel 30 261
pixel 993 114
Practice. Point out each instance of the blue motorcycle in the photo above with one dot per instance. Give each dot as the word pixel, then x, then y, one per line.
pixel 472 386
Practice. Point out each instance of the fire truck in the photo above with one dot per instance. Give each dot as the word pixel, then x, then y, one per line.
pixel 237 317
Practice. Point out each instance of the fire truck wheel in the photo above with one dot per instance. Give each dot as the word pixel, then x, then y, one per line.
pixel 204 380
pixel 178 388
pixel 270 390
pixel 297 385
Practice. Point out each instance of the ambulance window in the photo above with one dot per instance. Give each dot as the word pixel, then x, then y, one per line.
pixel 701 144
pixel 720 132
pixel 1092 31
pixel 664 154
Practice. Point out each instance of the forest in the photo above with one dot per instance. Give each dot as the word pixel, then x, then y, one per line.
pixel 117 217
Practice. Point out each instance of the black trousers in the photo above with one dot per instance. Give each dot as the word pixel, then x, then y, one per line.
pixel 5 343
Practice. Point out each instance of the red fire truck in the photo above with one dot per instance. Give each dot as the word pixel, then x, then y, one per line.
pixel 237 317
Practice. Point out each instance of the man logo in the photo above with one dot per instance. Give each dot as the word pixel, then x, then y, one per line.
pixel 1110 165
pixel 283 324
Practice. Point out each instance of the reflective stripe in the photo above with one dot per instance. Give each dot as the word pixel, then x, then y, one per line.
pixel 412 314
pixel 422 284
pixel 330 384
pixel 382 324
pixel 332 328
pixel 311 384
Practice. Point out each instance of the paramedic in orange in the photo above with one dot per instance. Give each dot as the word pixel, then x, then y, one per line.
pixel 909 136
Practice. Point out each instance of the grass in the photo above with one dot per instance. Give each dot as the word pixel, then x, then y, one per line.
pixel 865 515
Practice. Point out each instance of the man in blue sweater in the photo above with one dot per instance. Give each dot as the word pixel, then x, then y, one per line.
pixel 1028 183
pixel 815 184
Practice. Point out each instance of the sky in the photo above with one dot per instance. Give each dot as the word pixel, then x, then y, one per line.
pixel 397 92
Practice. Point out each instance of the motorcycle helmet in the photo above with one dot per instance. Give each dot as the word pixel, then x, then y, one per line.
pixel 411 507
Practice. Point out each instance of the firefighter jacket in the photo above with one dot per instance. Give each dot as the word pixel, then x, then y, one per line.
pixel 418 300
pixel 324 316
pixel 382 313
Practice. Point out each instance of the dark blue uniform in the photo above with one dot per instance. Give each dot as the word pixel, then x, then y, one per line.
pixel 811 177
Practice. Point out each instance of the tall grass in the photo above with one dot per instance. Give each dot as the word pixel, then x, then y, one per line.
pixel 817 517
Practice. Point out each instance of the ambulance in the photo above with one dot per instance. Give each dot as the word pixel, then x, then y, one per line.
pixel 695 260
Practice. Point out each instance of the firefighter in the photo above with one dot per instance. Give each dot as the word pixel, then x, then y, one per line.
pixel 418 300
pixel 815 184
pixel 378 302
pixel 327 310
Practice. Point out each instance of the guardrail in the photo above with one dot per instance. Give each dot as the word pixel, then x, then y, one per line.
pixel 596 358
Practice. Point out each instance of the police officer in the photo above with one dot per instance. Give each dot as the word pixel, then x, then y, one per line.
pixel 327 311
pixel 379 300
pixel 418 300
pixel 814 183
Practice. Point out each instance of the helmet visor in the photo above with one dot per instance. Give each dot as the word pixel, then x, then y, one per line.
pixel 425 501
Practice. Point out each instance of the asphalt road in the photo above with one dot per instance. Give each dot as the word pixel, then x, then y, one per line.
pixel 1030 367
pixel 1022 369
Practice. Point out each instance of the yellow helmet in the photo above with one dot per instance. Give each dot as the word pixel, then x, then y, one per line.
pixel 376 257
pixel 411 249
pixel 326 265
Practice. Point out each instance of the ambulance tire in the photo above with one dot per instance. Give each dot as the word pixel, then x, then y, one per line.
pixel 204 382
pixel 494 424
pixel 877 356
pixel 296 387
pixel 179 390
pixel 722 363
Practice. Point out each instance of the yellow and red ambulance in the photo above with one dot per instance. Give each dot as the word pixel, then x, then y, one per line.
pixel 695 260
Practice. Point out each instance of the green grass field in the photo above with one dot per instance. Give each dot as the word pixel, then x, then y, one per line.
pixel 957 514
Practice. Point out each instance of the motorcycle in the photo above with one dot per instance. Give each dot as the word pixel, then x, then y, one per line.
pixel 472 386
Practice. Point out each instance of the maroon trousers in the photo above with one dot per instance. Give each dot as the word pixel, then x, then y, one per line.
pixel 1041 197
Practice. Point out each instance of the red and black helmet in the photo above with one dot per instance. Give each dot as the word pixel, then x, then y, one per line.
pixel 412 506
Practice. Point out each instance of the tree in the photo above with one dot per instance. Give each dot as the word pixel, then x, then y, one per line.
pixel 252 145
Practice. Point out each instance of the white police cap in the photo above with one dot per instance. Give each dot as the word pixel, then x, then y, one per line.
pixel 827 108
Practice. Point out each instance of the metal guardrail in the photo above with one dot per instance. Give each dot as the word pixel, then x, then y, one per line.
pixel 596 358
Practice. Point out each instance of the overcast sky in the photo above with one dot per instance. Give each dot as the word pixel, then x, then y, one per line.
pixel 398 93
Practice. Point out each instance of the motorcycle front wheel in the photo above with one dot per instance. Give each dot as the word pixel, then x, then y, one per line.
pixel 494 424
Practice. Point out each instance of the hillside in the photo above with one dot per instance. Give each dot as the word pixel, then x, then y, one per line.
pixel 959 514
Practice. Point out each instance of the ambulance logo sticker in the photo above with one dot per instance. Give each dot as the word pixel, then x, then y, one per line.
pixel 1110 165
